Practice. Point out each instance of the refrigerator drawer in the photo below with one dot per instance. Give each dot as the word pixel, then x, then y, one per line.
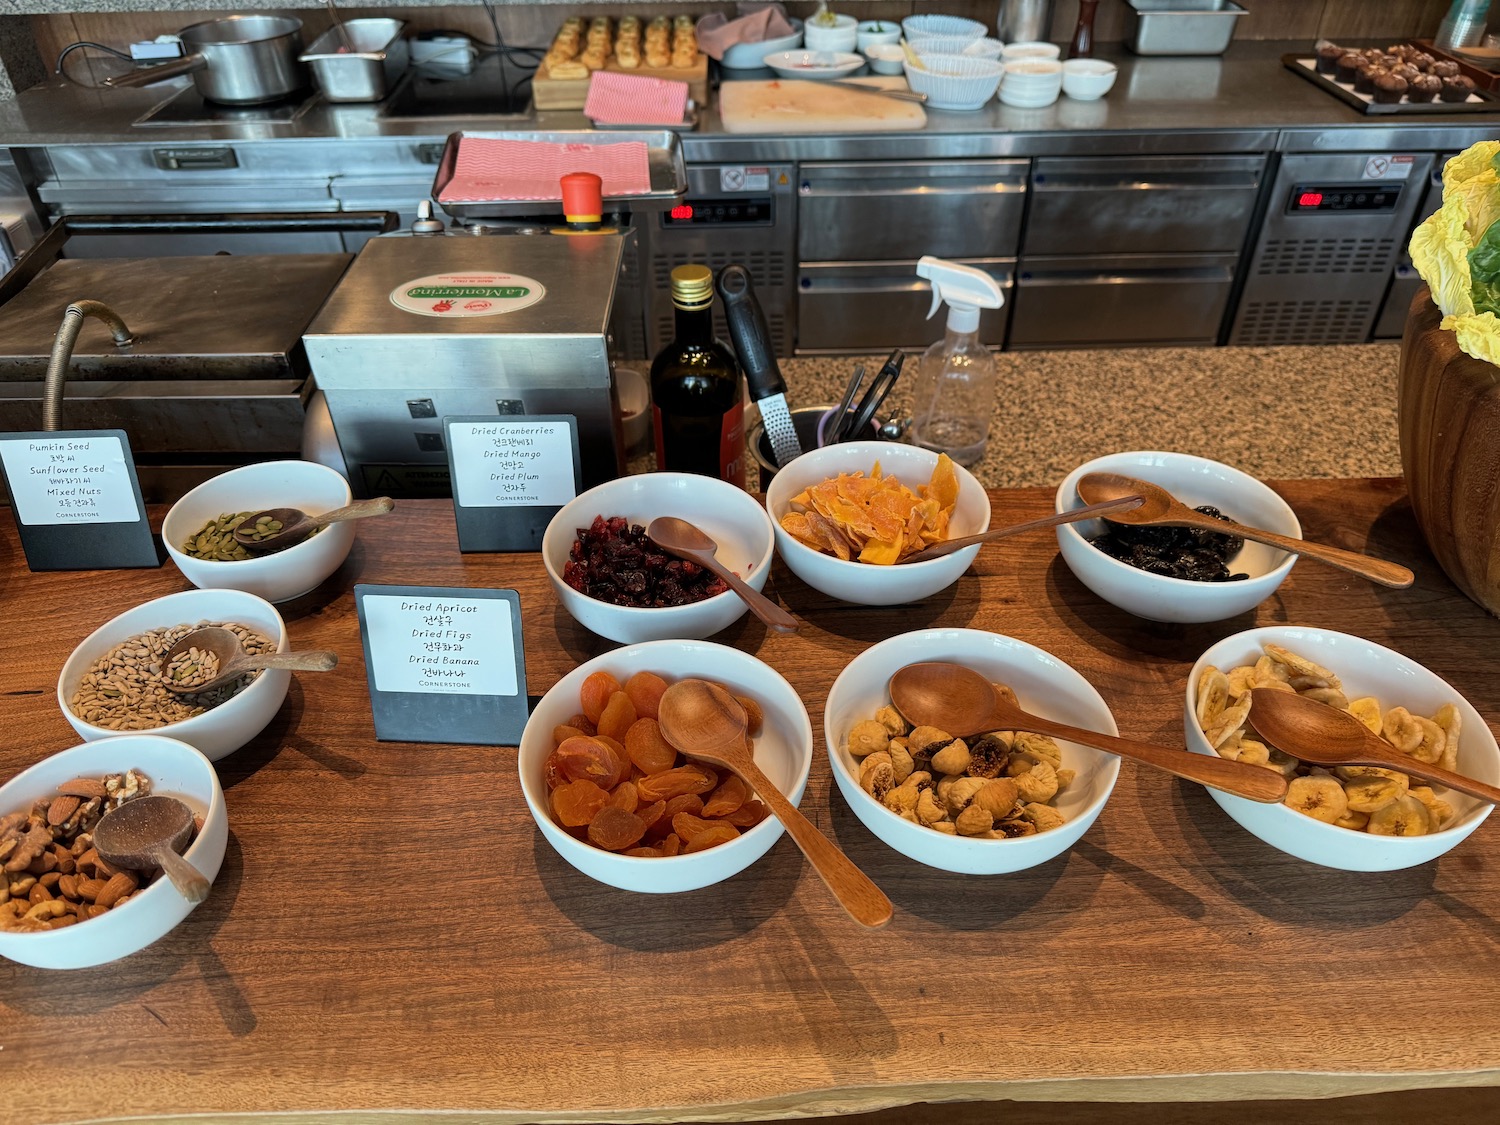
pixel 876 306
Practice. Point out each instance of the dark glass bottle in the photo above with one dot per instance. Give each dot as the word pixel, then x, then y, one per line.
pixel 696 406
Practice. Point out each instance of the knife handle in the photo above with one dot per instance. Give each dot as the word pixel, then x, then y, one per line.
pixel 747 328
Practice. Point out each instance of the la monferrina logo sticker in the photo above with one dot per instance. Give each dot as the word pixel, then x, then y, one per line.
pixel 468 294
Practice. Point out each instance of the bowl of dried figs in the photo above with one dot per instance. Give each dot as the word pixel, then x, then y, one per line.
pixel 61 905
pixel 621 804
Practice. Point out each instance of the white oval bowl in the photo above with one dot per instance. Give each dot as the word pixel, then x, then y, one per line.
pixel 729 515
pixel 865 583
pixel 752 56
pixel 1044 685
pixel 1085 80
pixel 1194 481
pixel 783 751
pixel 175 770
pixel 1014 52
pixel 228 726
pixel 1365 668
pixel 276 577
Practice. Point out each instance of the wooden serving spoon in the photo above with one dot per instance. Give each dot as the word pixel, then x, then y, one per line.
pixel 297 525
pixel 948 546
pixel 962 702
pixel 233 661
pixel 1326 736
pixel 1165 510
pixel 147 833
pixel 688 541
pixel 704 721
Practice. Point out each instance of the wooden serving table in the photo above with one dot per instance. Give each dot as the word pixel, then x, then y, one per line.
pixel 390 932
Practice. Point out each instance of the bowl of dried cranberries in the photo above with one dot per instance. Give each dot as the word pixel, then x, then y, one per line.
pixel 618 802
pixel 617 583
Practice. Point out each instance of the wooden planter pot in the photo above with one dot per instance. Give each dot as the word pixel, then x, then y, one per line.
pixel 1449 414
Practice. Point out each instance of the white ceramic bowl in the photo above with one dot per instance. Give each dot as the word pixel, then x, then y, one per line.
pixel 1085 80
pixel 228 726
pixel 176 770
pixel 751 56
pixel 783 751
pixel 925 26
pixel 983 47
pixel 871 32
pixel 253 488
pixel 955 82
pixel 1365 668
pixel 815 64
pixel 886 58
pixel 635 406
pixel 1194 481
pixel 728 515
pixel 1043 684
pixel 866 583
pixel 842 36
pixel 1013 51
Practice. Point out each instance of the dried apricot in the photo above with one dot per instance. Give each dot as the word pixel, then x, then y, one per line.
pixel 615 829
pixel 690 778
pixel 562 732
pixel 652 814
pixel 647 748
pixel 577 803
pixel 552 771
pixel 594 694
pixel 624 796
pixel 671 845
pixel 613 743
pixel 588 759
pixel 688 826
pixel 582 722
pixel 748 815
pixel 644 853
pixel 729 796
pixel 719 833
pixel 687 802
pixel 618 714
pixel 645 690
pixel 754 716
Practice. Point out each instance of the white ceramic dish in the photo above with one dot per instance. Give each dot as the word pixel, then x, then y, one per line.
pixel 228 726
pixel 783 752
pixel 729 515
pixel 814 64
pixel 1194 481
pixel 886 58
pixel 1044 685
pixel 253 488
pixel 1086 80
pixel 872 32
pixel 955 82
pixel 842 36
pixel 751 56
pixel 176 770
pixel 1013 51
pixel 866 583
pixel 1365 668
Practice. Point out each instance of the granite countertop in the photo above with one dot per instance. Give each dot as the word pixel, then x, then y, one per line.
pixel 1273 412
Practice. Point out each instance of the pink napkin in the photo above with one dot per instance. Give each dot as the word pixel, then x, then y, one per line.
pixel 489 169
pixel 634 99
pixel 717 32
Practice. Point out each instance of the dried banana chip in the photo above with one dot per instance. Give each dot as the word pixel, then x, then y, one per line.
pixel 1318 796
pixel 1434 741
pixel 1439 811
pixel 1301 666
pixel 1230 722
pixel 1213 696
pixel 1370 788
pixel 1405 816
pixel 1451 721
pixel 1329 695
pixel 1367 710
pixel 1401 730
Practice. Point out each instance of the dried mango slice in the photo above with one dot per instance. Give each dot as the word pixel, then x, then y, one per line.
pixel 874 518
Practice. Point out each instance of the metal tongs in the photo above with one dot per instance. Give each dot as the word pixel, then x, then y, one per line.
pixel 848 424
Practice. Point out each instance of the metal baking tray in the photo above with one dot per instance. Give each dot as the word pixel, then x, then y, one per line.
pixel 1480 101
pixel 665 168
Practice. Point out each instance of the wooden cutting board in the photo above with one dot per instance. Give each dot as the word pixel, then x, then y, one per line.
pixel 800 106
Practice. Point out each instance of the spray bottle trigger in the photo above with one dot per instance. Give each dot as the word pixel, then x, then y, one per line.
pixel 937 300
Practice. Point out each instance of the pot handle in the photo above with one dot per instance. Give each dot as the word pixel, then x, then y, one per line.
pixel 149 75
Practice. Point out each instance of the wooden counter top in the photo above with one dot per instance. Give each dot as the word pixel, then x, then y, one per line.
pixel 391 933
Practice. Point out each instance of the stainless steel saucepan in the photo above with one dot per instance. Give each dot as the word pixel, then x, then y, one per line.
pixel 238 60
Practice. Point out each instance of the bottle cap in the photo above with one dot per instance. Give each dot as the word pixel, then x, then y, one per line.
pixel 692 287
pixel 582 197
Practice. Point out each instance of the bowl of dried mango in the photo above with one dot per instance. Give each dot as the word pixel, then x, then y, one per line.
pixel 1353 818
pixel 846 516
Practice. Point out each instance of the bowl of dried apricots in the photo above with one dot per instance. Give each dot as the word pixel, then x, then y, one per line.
pixel 1351 818
pixel 621 804
pixel 847 515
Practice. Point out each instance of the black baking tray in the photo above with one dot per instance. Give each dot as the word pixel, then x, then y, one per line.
pixel 1480 101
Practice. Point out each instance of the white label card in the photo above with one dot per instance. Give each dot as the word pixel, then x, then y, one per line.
pixel 441 646
pixel 512 464
pixel 69 480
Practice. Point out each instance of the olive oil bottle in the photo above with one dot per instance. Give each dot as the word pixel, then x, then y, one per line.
pixel 696 404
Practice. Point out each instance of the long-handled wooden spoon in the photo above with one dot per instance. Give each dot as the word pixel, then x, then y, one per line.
pixel 1326 736
pixel 688 541
pixel 296 525
pixel 1165 510
pixel 147 833
pixel 704 721
pixel 220 649
pixel 962 702
pixel 948 546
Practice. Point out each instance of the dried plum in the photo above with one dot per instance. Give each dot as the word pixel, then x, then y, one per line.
pixel 1175 552
pixel 613 561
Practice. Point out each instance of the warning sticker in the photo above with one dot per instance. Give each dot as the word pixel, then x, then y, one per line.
pixel 413 482
pixel 468 294
pixel 1388 168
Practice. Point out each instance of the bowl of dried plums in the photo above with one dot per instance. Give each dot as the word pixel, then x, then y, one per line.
pixel 1173 573
pixel 623 805
pixel 614 581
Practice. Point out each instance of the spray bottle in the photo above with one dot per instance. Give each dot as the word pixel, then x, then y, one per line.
pixel 954 395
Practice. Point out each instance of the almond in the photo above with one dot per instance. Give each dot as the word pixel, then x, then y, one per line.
pixel 89 889
pixel 82 787
pixel 61 808
pixel 118 887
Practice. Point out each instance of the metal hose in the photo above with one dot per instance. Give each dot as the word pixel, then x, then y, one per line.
pixel 62 353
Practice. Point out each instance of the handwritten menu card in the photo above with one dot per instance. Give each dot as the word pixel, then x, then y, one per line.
pixel 510 476
pixel 444 664
pixel 77 501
